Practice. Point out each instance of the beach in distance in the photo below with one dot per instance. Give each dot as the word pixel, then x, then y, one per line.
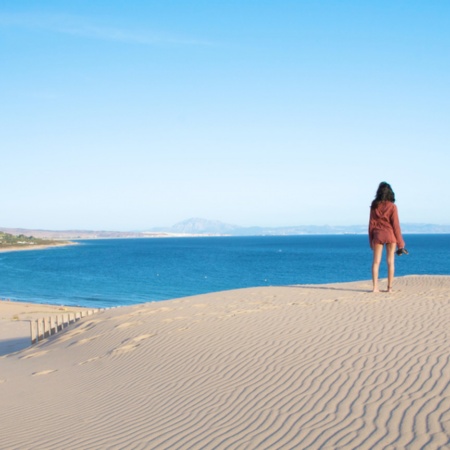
pixel 282 367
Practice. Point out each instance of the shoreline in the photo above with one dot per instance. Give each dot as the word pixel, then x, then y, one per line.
pixel 17 248
pixel 9 309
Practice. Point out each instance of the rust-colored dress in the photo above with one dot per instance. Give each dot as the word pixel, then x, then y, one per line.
pixel 384 226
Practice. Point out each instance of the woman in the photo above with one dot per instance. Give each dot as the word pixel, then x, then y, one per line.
pixel 384 229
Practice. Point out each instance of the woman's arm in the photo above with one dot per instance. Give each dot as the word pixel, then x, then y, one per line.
pixel 395 222
pixel 370 228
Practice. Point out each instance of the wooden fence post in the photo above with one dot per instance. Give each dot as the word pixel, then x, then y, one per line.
pixel 53 329
pixel 33 332
pixel 39 329
pixel 47 326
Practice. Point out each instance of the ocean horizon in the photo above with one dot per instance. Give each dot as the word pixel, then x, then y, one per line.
pixel 117 272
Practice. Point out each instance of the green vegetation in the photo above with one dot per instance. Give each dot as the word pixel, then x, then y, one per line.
pixel 21 241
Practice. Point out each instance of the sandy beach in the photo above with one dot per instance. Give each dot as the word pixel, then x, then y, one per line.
pixel 306 367
pixel 23 248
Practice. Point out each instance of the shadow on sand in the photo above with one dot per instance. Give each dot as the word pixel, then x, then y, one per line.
pixel 14 345
pixel 328 288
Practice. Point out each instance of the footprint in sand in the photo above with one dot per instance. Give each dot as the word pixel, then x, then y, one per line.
pixel 44 372
pixel 34 355
pixel 142 337
pixel 96 358
pixel 127 324
pixel 173 319
pixel 125 348
pixel 71 334
pixel 89 324
pixel 140 312
pixel 130 344
pixel 84 341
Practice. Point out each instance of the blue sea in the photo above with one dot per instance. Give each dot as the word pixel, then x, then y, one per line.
pixel 104 273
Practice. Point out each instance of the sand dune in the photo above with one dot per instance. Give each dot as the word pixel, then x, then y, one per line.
pixel 307 367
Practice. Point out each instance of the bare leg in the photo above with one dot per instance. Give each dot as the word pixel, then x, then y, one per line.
pixel 390 259
pixel 377 252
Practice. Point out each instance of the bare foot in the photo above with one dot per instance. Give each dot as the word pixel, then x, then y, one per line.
pixel 375 290
pixel 389 289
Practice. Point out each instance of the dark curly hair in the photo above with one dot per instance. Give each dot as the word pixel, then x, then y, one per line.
pixel 384 193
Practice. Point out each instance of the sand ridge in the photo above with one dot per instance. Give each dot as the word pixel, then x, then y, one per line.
pixel 329 366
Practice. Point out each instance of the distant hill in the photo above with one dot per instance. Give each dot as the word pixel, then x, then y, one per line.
pixel 204 227
pixel 13 241
pixel 215 227
pixel 197 226
pixel 200 226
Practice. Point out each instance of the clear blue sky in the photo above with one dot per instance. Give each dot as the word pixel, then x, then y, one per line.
pixel 133 114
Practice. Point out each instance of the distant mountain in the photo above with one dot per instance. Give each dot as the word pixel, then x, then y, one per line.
pixel 204 227
pixel 198 226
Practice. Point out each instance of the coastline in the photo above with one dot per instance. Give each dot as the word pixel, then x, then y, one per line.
pixel 17 248
pixel 301 366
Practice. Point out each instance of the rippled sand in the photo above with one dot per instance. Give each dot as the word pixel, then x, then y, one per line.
pixel 307 367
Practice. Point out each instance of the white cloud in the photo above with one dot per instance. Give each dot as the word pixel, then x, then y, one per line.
pixel 83 27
